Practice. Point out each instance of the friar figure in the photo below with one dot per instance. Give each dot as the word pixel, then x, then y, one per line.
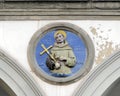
pixel 63 54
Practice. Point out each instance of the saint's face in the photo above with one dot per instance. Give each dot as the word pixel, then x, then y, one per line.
pixel 60 38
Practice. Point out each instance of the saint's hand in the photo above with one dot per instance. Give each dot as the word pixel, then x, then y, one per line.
pixel 61 58
pixel 57 65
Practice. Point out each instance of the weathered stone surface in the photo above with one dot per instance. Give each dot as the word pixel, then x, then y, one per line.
pixel 58 14
pixel 107 5
pixel 105 0
pixel 48 5
pixel 48 0
pixel 59 10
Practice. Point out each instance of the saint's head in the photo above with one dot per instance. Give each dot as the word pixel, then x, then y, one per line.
pixel 60 36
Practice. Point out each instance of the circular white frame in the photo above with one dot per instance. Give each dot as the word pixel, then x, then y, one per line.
pixel 73 28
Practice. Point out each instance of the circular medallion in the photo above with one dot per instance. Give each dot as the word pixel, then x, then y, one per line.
pixel 61 53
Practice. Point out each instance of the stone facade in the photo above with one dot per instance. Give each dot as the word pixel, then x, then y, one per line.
pixel 61 9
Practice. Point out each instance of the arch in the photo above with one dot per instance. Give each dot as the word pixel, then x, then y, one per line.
pixel 5 90
pixel 16 77
pixel 114 89
pixel 101 78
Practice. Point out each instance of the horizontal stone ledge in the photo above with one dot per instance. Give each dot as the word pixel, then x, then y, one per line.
pixel 26 18
pixel 106 5
pixel 46 0
pixel 106 0
pixel 57 12
pixel 35 5
pixel 60 0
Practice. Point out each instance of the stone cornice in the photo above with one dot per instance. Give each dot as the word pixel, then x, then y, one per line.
pixel 91 10
pixel 59 14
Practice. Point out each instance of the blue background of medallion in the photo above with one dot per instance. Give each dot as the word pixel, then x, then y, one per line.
pixel 73 40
